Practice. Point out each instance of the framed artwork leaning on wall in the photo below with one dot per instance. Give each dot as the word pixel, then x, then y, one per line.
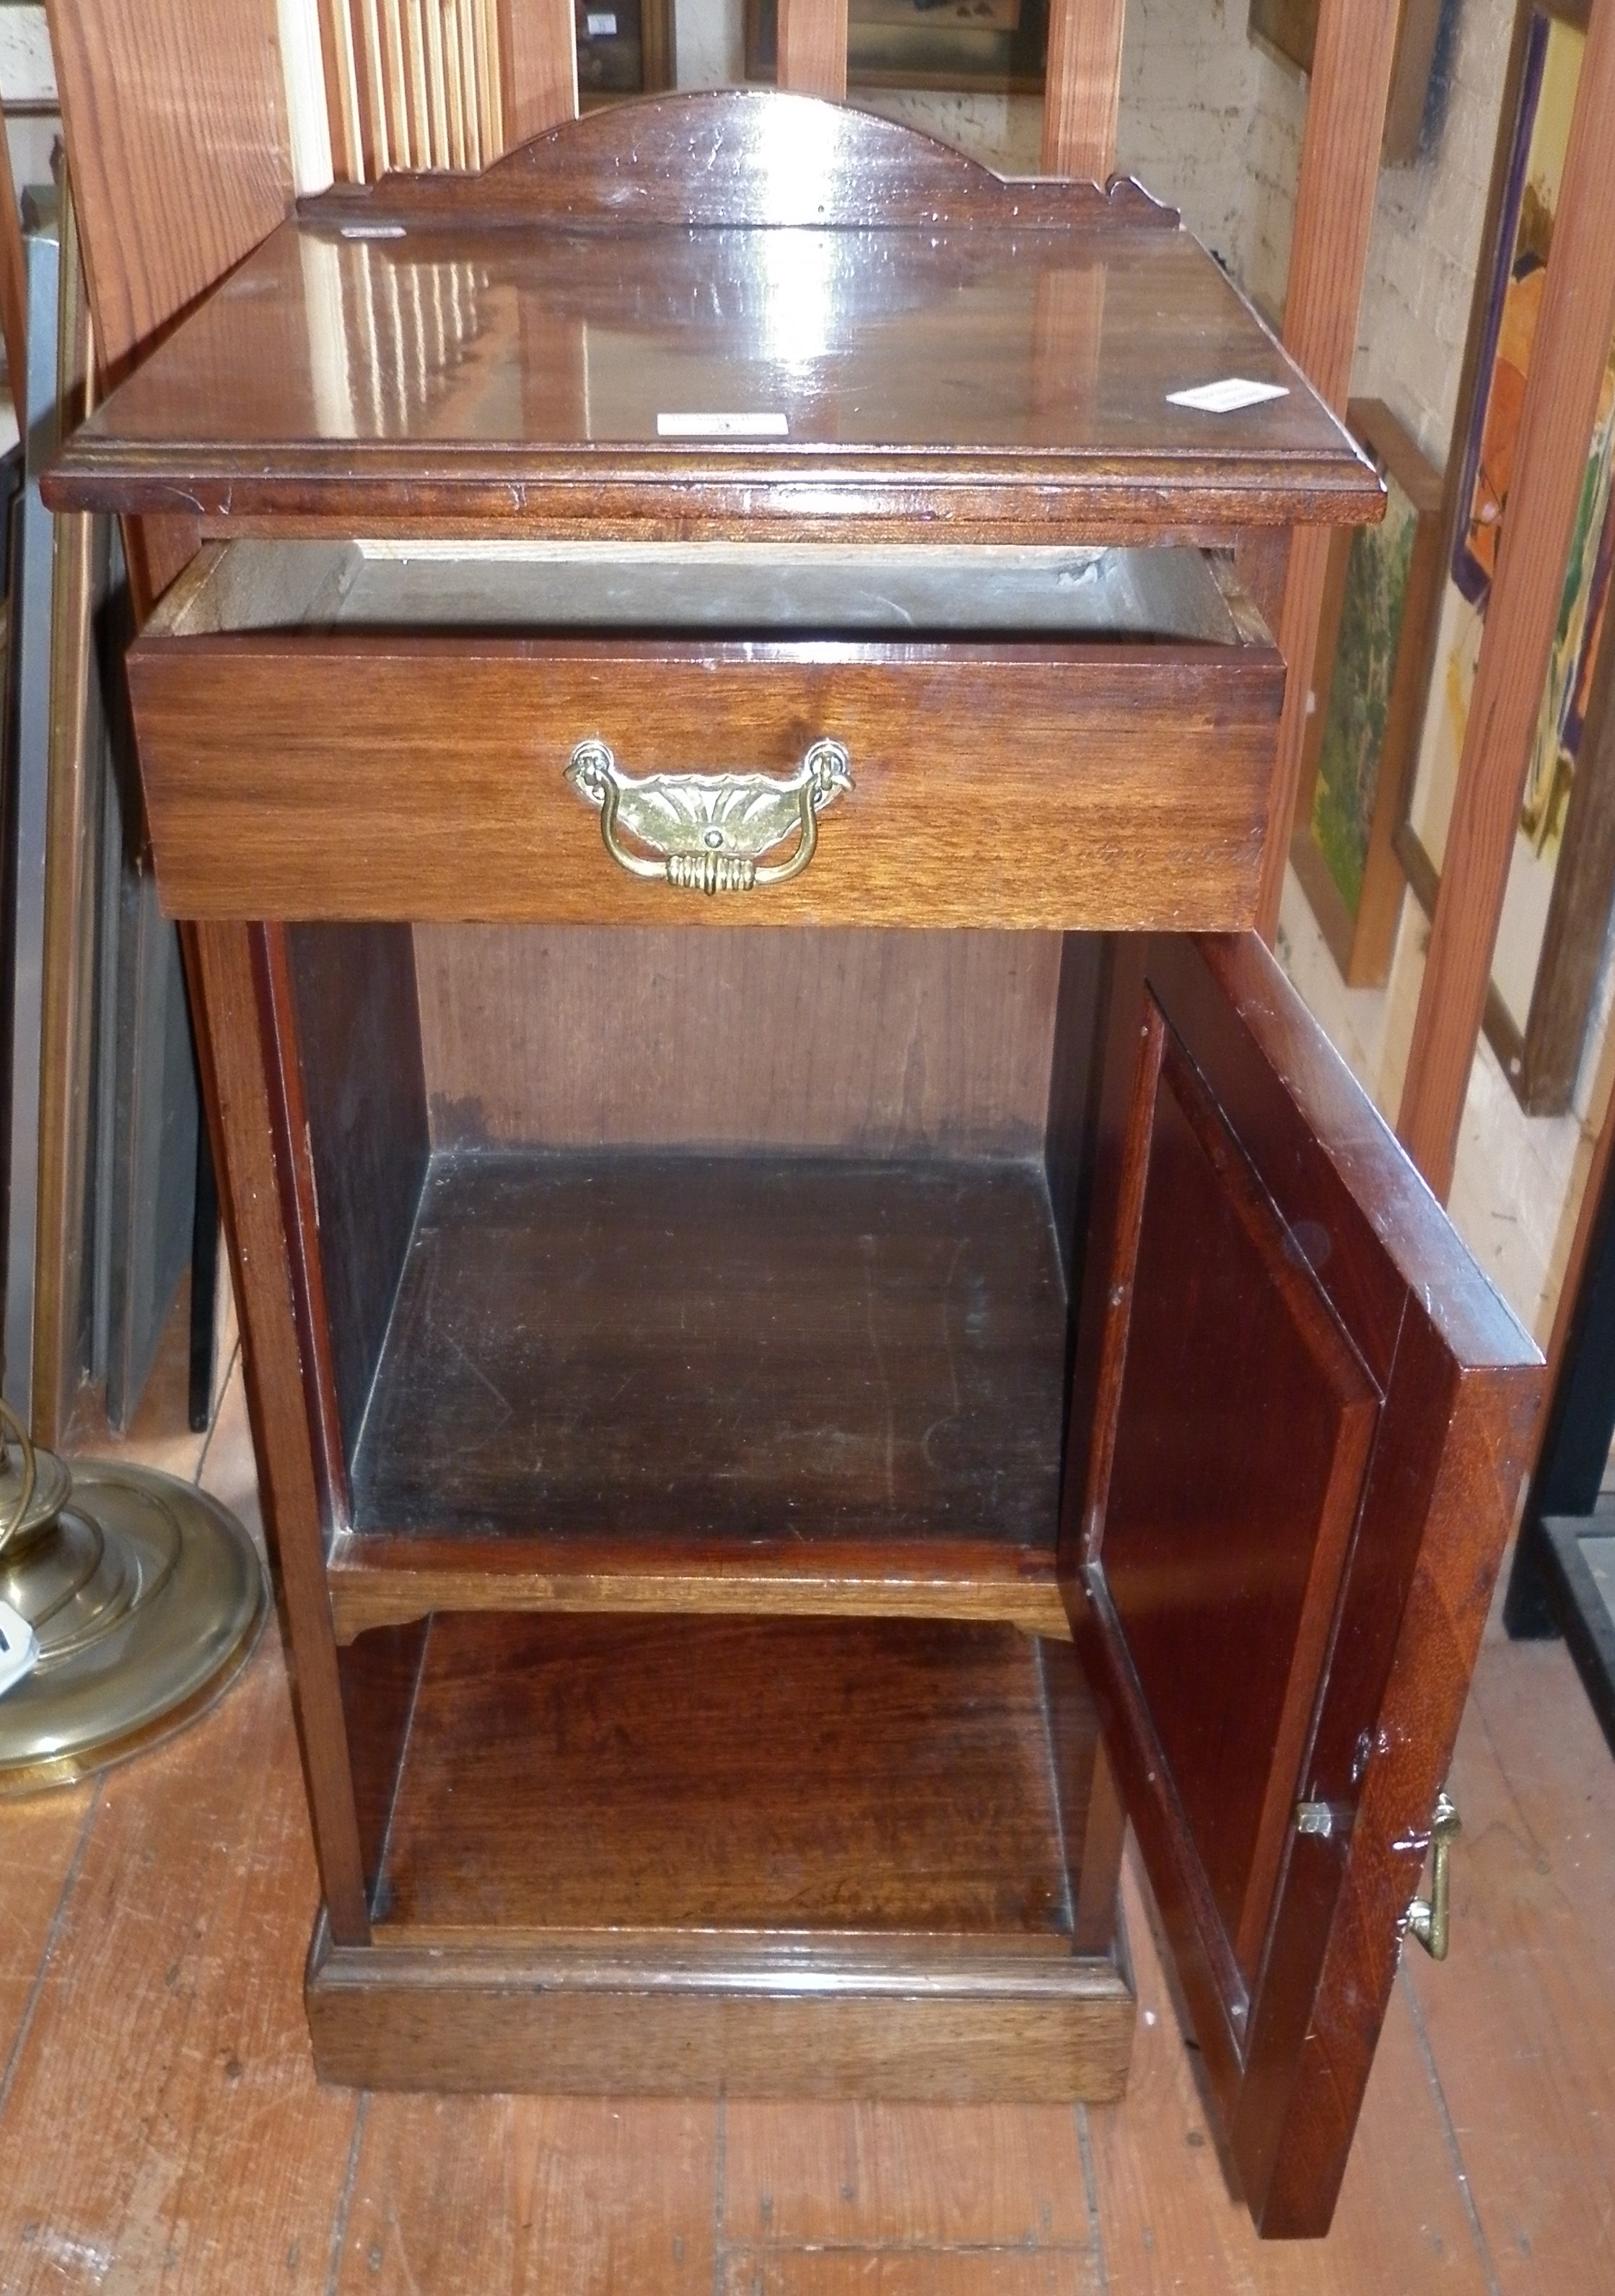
pixel 1369 678
pixel 986 46
pixel 1562 877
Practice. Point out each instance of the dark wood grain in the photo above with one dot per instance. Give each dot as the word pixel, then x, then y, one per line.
pixel 780 1879
pixel 1568 363
pixel 709 159
pixel 246 1109
pixel 358 1049
pixel 811 1782
pixel 298 390
pixel 738 1347
pixel 364 777
pixel 1286 1959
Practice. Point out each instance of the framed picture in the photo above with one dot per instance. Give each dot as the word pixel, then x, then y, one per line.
pixel 1561 877
pixel 625 47
pixel 1292 26
pixel 995 46
pixel 1369 682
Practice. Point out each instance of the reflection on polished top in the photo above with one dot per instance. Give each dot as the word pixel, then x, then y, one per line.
pixel 896 335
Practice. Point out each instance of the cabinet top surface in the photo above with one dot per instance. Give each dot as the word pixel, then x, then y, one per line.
pixel 905 338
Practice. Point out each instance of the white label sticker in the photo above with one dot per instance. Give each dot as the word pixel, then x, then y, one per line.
pixel 601 28
pixel 374 231
pixel 721 426
pixel 1227 396
pixel 18 1648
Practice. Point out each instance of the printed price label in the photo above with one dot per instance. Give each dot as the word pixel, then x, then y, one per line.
pixel 745 426
pixel 1227 396
pixel 18 1648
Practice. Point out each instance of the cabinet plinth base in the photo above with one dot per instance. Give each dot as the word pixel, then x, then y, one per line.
pixel 668 2018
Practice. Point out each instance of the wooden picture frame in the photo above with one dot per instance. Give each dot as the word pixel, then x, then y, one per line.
pixel 1370 677
pixel 1561 889
pixel 1291 27
pixel 997 47
pixel 625 47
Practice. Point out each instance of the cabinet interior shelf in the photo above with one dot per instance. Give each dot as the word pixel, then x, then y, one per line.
pixel 731 1381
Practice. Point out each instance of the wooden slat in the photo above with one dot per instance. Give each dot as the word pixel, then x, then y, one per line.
pixel 1329 252
pixel 1568 366
pixel 538 50
pixel 14 289
pixel 1084 87
pixel 812 47
pixel 342 91
pixel 175 117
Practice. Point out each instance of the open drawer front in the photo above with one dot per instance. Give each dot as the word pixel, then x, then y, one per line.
pixel 909 734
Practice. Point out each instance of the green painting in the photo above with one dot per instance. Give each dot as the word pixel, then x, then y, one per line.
pixel 1359 692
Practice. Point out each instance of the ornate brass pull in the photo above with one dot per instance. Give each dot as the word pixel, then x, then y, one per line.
pixel 707 832
pixel 1427 1917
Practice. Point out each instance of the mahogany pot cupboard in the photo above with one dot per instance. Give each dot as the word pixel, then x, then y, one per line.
pixel 823 1328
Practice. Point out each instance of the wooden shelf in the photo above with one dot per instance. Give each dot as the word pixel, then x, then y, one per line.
pixel 634 1380
pixel 591 1809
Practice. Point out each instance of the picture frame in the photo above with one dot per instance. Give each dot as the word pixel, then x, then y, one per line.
pixel 997 47
pixel 1562 877
pixel 1365 710
pixel 1291 27
pixel 625 47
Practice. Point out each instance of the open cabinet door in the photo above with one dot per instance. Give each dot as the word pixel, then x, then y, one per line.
pixel 1299 1422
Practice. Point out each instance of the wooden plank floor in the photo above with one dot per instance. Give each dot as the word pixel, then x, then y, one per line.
pixel 161 2129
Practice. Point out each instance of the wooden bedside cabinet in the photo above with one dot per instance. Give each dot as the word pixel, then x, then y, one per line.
pixel 823 1328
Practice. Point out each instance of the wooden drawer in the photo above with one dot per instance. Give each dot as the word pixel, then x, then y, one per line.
pixel 329 734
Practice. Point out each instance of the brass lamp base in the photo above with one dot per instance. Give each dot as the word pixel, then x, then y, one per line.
pixel 147 1598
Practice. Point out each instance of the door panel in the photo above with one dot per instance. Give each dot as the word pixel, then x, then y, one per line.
pixel 1298 1423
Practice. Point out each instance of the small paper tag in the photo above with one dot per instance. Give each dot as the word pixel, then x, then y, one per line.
pixel 600 28
pixel 374 231
pixel 18 1648
pixel 721 426
pixel 1228 395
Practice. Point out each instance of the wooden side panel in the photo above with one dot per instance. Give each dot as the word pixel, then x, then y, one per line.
pixel 1310 1420
pixel 230 966
pixel 175 118
pixel 359 1042
pixel 588 1037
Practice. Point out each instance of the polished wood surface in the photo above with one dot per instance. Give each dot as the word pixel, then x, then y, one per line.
pixel 1334 206
pixel 910 378
pixel 744 1348
pixel 782 1879
pixel 811 1786
pixel 1567 363
pixel 1247 1661
pixel 271 762
pixel 737 1038
pixel 538 53
pixel 245 1092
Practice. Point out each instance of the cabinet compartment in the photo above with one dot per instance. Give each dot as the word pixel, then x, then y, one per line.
pixel 728 1271
pixel 1049 737
pixel 683 1854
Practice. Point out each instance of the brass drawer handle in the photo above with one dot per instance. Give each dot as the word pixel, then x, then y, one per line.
pixel 1427 1917
pixel 709 831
